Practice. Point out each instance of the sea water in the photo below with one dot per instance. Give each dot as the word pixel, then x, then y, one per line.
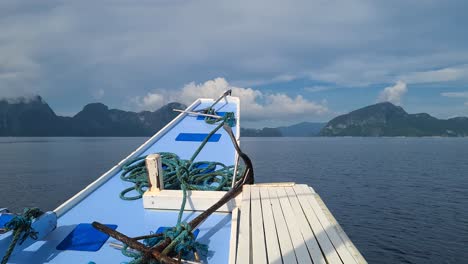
pixel 400 200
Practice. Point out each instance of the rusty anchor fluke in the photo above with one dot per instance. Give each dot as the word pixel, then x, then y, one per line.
pixel 155 252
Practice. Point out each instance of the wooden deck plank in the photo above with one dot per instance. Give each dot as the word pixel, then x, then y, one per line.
pixel 233 239
pixel 303 190
pixel 243 248
pixel 271 236
pixel 286 246
pixel 258 235
pixel 349 244
pixel 287 223
pixel 302 254
pixel 312 230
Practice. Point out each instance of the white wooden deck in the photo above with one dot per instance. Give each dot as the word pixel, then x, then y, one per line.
pixel 287 223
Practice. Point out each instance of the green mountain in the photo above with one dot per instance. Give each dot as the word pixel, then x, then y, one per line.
pixel 30 117
pixel 34 117
pixel 387 119
pixel 97 119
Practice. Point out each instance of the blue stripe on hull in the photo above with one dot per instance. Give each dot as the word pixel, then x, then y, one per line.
pixel 197 137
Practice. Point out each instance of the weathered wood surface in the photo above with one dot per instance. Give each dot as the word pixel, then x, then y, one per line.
pixel 288 223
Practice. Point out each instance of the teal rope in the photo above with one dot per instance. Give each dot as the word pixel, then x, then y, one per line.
pixel 21 227
pixel 183 243
pixel 200 175
pixel 182 175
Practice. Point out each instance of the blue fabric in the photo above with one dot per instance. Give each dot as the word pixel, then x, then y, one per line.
pixel 217 113
pixel 5 218
pixel 198 137
pixel 164 228
pixel 84 238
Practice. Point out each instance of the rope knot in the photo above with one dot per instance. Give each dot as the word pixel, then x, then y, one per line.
pixel 180 231
pixel 21 227
pixel 22 224
pixel 228 118
pixel 183 241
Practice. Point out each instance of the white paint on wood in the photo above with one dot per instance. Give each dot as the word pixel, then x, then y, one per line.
pixel 238 116
pixel 271 237
pixel 290 225
pixel 275 184
pixel 154 169
pixel 233 239
pixel 303 190
pixel 300 248
pixel 349 244
pixel 258 234
pixel 286 245
pixel 311 237
pixel 234 173
pixel 244 246
pixel 196 200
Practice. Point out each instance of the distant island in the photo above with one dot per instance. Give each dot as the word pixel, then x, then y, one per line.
pixel 304 129
pixel 33 117
pixel 388 120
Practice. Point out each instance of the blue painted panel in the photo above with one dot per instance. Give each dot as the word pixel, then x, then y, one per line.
pixel 223 151
pixel 197 137
pixel 84 238
pixel 5 218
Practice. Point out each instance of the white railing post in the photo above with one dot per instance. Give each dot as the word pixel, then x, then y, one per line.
pixel 155 172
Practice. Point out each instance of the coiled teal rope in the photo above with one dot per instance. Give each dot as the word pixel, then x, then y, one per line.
pixel 179 173
pixel 21 227
pixel 182 175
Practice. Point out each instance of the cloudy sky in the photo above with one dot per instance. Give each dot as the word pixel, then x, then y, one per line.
pixel 289 61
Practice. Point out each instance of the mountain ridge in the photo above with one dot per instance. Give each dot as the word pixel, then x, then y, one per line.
pixel 34 117
pixel 387 119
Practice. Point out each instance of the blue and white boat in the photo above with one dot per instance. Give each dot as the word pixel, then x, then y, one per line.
pixel 258 223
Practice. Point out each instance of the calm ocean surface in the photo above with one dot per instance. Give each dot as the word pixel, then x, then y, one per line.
pixel 400 200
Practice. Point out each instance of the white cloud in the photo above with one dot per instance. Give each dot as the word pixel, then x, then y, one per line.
pixel 449 74
pixel 151 101
pixel 255 105
pixel 455 94
pixel 318 88
pixel 22 99
pixel 393 93
pixel 129 47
